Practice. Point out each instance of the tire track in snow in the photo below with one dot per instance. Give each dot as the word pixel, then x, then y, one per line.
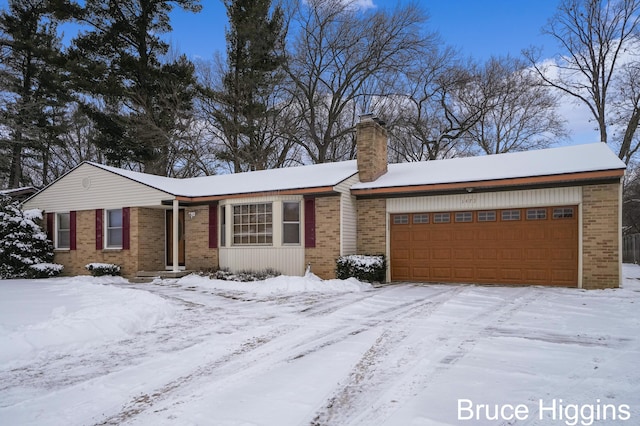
pixel 276 348
pixel 360 400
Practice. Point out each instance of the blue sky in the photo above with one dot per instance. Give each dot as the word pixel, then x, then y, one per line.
pixel 479 28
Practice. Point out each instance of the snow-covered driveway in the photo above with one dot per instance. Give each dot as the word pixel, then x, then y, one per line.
pixel 87 351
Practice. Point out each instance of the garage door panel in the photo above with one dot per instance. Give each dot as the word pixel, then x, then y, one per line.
pixel 441 254
pixel 463 273
pixel 441 273
pixel 402 254
pixel 462 235
pixel 441 234
pixel 509 250
pixel 560 254
pixel 513 275
pixel 535 233
pixel 464 253
pixel 420 234
pixel 511 254
pixel 401 236
pixel 486 254
pixel 486 273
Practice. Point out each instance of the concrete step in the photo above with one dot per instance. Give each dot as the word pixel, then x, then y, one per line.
pixel 148 276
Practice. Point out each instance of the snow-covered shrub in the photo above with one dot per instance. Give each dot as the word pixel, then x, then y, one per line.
pixel 46 270
pixel 244 276
pixel 23 243
pixel 101 269
pixel 362 267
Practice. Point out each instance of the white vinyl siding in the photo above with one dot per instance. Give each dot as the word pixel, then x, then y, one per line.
pixel 487 201
pixel 89 187
pixel 348 216
pixel 284 258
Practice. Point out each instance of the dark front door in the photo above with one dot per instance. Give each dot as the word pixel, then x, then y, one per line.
pixel 169 237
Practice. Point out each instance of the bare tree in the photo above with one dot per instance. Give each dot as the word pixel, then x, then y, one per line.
pixel 434 108
pixel 337 53
pixel 519 113
pixel 594 35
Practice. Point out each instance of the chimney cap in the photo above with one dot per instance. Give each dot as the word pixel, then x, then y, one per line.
pixel 369 116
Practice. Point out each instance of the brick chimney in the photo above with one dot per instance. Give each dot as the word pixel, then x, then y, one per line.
pixel 371 139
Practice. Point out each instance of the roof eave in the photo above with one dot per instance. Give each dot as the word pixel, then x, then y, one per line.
pixel 495 184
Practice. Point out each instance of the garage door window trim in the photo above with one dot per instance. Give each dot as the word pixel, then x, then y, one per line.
pixel 464 217
pixel 401 219
pixel 563 213
pixel 487 216
pixel 508 215
pixel 536 214
pixel 441 217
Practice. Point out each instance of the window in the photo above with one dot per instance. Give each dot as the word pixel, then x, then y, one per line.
pixel 421 218
pixel 252 224
pixel 464 217
pixel 441 217
pixel 291 222
pixel 401 219
pixel 63 236
pixel 223 227
pixel 563 212
pixel 510 215
pixel 114 228
pixel 536 214
pixel 489 216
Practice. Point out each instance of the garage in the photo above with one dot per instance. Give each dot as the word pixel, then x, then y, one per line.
pixel 519 246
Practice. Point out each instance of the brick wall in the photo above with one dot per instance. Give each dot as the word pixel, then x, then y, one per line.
pixel 327 250
pixel 148 238
pixel 600 230
pixel 74 261
pixel 372 216
pixel 372 150
pixel 198 254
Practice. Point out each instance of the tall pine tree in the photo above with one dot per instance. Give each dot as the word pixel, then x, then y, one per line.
pixel 136 98
pixel 254 41
pixel 34 87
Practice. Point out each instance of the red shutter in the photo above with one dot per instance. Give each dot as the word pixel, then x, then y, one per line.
pixel 126 227
pixel 72 230
pixel 99 233
pixel 213 225
pixel 310 222
pixel 50 225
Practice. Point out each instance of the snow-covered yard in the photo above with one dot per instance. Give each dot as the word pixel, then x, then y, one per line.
pixel 296 351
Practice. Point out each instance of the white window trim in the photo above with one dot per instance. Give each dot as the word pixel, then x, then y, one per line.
pixel 232 235
pixel 298 222
pixel 106 229
pixel 57 231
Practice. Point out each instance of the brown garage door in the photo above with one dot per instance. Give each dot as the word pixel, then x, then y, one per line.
pixel 514 246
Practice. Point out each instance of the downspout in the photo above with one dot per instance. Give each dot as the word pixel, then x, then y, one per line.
pixel 176 235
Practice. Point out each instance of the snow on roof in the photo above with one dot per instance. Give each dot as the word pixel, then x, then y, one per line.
pixel 544 162
pixel 312 176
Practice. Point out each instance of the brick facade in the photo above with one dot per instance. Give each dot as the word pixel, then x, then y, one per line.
pixel 372 150
pixel 148 239
pixel 198 255
pixel 601 236
pixel 74 261
pixel 323 256
pixel 372 226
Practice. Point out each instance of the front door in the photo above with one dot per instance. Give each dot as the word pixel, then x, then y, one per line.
pixel 169 237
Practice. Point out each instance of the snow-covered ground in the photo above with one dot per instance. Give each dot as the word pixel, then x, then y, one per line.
pixel 298 351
